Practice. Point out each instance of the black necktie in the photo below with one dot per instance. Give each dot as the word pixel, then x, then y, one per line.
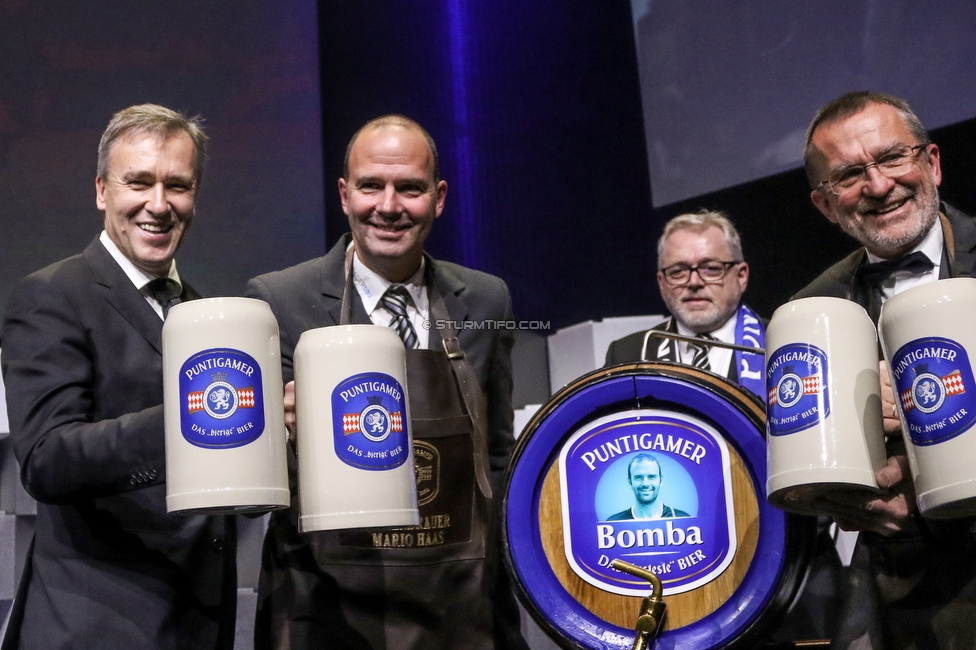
pixel 395 300
pixel 164 291
pixel 700 360
pixel 874 274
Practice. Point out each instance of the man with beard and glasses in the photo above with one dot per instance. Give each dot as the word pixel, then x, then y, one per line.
pixel 874 171
pixel 701 276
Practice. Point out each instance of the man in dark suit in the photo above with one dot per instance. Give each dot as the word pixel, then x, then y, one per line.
pixel 875 172
pixel 701 276
pixel 82 363
pixel 348 590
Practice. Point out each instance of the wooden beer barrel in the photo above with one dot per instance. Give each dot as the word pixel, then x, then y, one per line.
pixel 576 498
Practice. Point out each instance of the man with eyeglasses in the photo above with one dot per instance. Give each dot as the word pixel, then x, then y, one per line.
pixel 701 276
pixel 874 171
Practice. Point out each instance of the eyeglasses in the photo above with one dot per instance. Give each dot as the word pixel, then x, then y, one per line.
pixel 714 272
pixel 894 164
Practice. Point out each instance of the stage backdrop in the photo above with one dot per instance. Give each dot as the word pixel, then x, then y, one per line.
pixel 729 87
pixel 249 68
pixel 536 107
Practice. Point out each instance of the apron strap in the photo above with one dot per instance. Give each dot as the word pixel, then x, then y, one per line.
pixel 468 386
pixel 464 375
pixel 348 292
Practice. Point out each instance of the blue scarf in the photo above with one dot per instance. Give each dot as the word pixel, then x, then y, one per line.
pixel 751 366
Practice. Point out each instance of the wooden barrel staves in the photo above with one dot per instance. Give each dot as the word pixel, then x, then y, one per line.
pixel 662 466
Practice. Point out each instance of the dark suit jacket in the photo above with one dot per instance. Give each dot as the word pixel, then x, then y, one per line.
pixel 309 295
pixel 919 585
pixel 109 568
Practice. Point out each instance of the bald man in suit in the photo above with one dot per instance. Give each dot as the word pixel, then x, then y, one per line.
pixel 444 587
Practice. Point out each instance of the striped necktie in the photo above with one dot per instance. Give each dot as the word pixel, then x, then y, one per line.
pixel 700 359
pixel 395 301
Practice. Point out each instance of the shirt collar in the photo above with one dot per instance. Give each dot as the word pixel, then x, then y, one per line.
pixel 137 276
pixel 371 285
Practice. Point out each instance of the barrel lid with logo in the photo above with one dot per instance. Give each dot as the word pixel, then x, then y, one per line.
pixel 662 466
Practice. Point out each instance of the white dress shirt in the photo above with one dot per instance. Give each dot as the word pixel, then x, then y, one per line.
pixel 138 277
pixel 371 286
pixel 931 246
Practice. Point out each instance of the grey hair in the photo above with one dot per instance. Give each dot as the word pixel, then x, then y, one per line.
pixel 850 104
pixel 157 120
pixel 699 221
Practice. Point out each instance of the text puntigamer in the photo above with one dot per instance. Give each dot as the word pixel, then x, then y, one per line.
pixel 370 386
pixel 809 358
pixel 646 442
pixel 219 362
pixel 922 353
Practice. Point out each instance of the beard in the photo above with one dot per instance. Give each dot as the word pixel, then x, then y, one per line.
pixel 893 240
pixel 708 319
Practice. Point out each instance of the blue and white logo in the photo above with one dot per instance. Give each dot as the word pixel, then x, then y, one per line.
pixel 935 383
pixel 789 389
pixel 929 392
pixel 652 488
pixel 369 420
pixel 374 422
pixel 222 399
pixel 796 381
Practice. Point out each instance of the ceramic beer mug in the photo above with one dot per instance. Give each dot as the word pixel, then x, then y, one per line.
pixel 823 418
pixel 927 334
pixel 224 418
pixel 355 451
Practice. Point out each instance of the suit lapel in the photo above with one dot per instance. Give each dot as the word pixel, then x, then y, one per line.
pixel 668 347
pixel 117 289
pixel 332 281
pixel 962 234
pixel 332 284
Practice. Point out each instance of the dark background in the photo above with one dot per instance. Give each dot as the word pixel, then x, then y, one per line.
pixel 730 86
pixel 535 106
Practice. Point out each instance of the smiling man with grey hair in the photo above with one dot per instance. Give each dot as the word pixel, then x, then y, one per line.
pixel 875 172
pixel 82 364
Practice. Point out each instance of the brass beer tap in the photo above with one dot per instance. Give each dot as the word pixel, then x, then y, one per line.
pixel 652 608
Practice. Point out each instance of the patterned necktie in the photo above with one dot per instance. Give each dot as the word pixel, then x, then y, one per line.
pixel 164 291
pixel 700 360
pixel 395 301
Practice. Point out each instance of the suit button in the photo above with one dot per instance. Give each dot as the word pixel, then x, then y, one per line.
pixel 218 545
pixel 132 480
pixel 152 475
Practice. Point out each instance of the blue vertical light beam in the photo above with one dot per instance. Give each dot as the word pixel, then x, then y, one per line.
pixel 462 187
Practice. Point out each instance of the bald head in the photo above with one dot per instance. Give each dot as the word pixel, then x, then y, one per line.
pixel 396 122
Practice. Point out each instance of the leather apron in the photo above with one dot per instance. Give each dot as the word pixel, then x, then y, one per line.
pixel 425 587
